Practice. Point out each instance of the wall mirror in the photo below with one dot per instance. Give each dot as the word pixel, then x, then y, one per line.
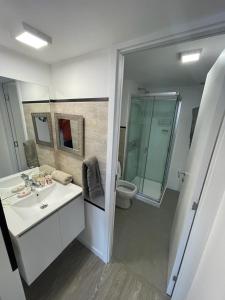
pixel 21 151
pixel 43 128
pixel 70 133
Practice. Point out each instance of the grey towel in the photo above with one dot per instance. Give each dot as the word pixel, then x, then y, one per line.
pixel 31 154
pixel 92 186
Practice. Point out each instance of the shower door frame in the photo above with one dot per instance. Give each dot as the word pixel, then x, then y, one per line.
pixel 171 142
pixel 141 196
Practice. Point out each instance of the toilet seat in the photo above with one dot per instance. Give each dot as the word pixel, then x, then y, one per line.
pixel 125 186
pixel 125 191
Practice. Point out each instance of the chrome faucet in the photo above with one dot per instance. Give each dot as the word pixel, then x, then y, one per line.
pixel 29 182
pixel 24 176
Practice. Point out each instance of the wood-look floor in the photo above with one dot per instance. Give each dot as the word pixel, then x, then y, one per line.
pixel 77 274
pixel 141 238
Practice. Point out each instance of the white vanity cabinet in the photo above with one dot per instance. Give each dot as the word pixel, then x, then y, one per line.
pixel 38 247
pixel 71 220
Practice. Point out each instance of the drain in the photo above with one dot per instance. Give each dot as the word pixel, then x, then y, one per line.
pixel 43 206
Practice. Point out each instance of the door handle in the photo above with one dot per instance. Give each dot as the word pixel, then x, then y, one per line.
pixel 181 174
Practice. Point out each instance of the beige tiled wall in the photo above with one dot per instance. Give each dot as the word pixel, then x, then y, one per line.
pixel 95 135
pixel 45 154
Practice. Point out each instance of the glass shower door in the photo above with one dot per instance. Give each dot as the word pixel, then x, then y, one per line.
pixel 147 114
pixel 136 143
pixel 157 158
pixel 133 141
pixel 148 144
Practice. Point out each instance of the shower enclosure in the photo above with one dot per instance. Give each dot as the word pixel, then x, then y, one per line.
pixel 149 141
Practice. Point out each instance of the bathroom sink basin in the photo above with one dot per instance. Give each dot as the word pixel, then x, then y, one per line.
pixel 28 207
pixel 33 204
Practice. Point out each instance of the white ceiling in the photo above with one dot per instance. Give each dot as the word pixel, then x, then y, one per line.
pixel 81 26
pixel 161 67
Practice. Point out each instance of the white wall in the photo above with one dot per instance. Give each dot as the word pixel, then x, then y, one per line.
pixel 130 88
pixel 86 76
pixel 16 66
pixel 93 237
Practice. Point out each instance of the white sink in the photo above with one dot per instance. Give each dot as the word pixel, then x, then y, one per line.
pixel 33 205
pixel 28 207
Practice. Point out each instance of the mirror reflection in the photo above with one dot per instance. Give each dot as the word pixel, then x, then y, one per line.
pixel 65 134
pixel 20 149
pixel 70 133
pixel 43 128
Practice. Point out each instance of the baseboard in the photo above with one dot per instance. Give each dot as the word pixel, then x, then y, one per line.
pixel 92 249
pixel 148 201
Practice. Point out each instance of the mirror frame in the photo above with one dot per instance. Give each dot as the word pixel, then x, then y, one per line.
pixel 49 119
pixel 80 151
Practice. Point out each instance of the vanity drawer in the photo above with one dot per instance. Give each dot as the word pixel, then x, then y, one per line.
pixel 71 219
pixel 37 248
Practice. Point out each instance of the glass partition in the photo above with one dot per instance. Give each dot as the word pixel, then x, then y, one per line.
pixel 149 141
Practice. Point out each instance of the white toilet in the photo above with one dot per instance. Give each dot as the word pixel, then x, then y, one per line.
pixel 125 190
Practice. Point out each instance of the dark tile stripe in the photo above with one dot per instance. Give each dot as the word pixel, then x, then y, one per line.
pixel 68 100
pixel 80 100
pixel 94 204
pixel 38 101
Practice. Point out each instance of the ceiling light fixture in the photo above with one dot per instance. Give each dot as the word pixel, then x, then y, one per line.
pixel 190 56
pixel 33 37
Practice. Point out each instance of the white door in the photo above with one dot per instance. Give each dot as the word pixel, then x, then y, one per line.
pixel 208 124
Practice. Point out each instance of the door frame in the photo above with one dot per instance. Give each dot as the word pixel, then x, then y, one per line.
pixel 206 27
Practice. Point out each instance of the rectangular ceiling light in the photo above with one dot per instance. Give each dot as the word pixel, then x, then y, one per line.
pixel 32 37
pixel 190 56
